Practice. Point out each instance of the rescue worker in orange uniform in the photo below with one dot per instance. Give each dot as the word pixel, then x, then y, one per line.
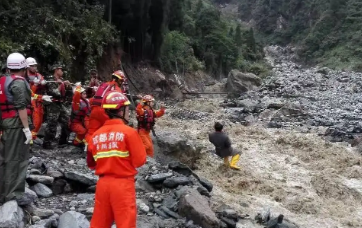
pixel 97 116
pixel 80 115
pixel 117 151
pixel 37 85
pixel 146 120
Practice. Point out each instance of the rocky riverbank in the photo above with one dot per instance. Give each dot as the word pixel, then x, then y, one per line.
pixel 60 192
pixel 308 99
pixel 287 168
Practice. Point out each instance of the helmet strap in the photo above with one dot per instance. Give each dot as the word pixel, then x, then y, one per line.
pixel 114 115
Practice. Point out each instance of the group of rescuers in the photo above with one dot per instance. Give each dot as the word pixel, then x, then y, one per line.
pixel 99 119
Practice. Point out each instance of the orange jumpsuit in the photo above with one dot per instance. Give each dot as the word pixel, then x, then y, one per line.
pixel 79 117
pixel 144 131
pixel 117 150
pixel 97 116
pixel 37 102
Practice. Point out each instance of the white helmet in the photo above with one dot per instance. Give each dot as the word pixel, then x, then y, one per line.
pixel 81 89
pixel 16 61
pixel 30 62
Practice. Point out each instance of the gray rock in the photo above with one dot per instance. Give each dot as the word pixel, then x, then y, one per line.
pixel 203 191
pixel 239 82
pixel 89 210
pixel 170 213
pixel 170 202
pixel 91 189
pixel 41 224
pixel 207 184
pixel 159 177
pixel 85 179
pixel 11 215
pixel 42 190
pixel 144 186
pixel 55 174
pixel 82 162
pixel 161 213
pixel 142 206
pixel 37 163
pixel 229 222
pixel 58 211
pixel 180 168
pixel 41 179
pixel 59 186
pixel 35 171
pixel 323 70
pixel 47 223
pixel 173 182
pixel 174 145
pixel 28 197
pixel 85 196
pixel 72 219
pixel 195 207
pixel 249 105
pixel 35 219
pixel 43 213
pixel 148 222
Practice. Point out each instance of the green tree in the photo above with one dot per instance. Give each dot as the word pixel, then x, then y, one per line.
pixel 177 54
pixel 231 31
pixel 69 31
pixel 237 38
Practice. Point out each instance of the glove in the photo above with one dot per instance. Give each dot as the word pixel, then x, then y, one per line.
pixel 78 84
pixel 47 98
pixel 28 135
pixel 36 81
pixel 43 82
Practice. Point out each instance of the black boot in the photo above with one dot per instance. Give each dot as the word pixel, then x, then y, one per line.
pixel 63 139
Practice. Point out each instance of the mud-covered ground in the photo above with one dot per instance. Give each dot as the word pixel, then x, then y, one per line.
pixel 313 182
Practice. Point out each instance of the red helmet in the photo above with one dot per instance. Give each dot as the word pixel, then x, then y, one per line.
pixel 147 98
pixel 119 74
pixel 114 100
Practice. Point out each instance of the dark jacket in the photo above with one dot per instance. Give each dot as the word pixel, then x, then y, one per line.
pixel 222 144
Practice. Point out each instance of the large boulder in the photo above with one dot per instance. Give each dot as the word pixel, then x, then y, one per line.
pixel 72 219
pixel 174 145
pixel 85 179
pixel 195 207
pixel 11 215
pixel 239 82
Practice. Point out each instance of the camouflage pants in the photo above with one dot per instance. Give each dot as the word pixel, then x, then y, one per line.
pixel 14 156
pixel 56 113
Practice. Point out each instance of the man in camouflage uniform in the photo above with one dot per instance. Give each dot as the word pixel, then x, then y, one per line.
pixel 56 111
pixel 15 122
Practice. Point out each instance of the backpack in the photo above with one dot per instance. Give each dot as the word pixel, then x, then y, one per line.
pixel 147 121
pixel 101 91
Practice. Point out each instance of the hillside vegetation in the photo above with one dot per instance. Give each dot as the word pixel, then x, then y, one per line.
pixel 175 35
pixel 326 31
